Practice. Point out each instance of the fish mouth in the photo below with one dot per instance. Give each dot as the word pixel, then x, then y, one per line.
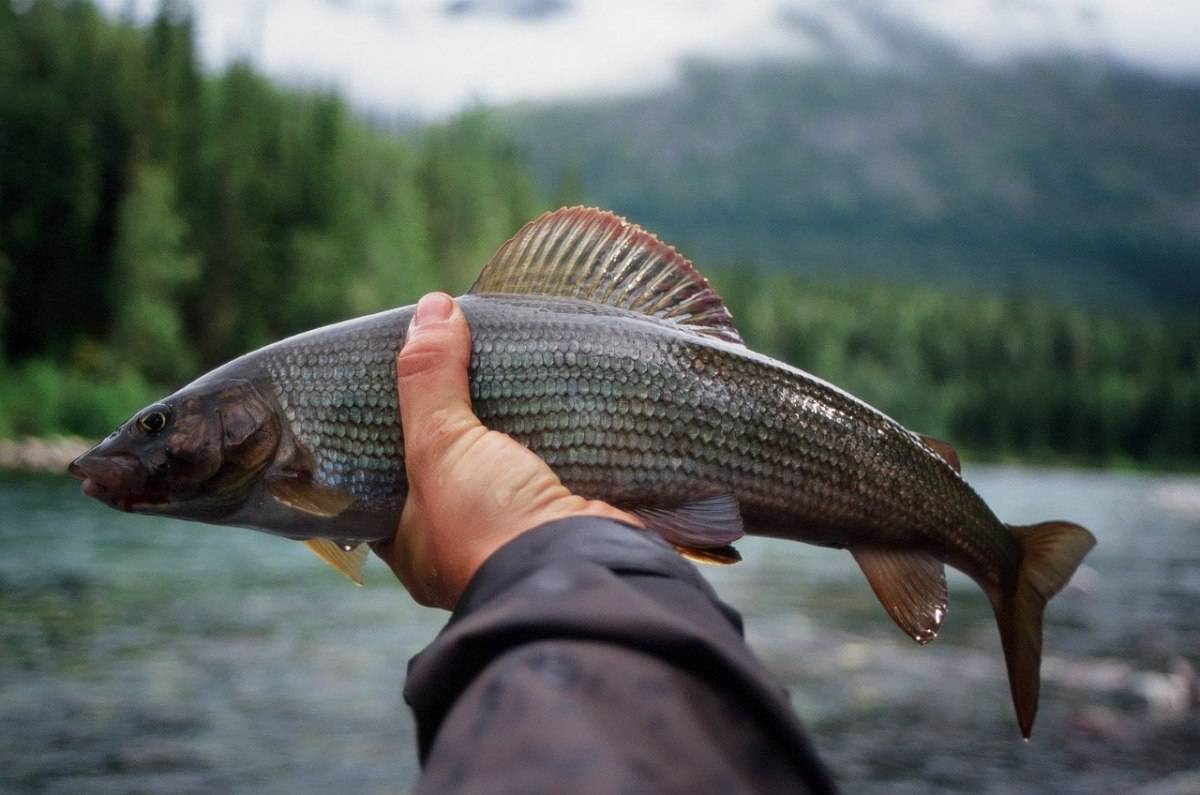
pixel 118 480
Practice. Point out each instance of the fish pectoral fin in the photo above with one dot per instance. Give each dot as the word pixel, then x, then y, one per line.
pixel 335 553
pixel 293 482
pixel 309 496
pixel 713 556
pixel 911 586
pixel 944 450
pixel 707 522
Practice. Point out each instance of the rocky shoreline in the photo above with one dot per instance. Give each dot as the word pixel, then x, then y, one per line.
pixel 41 454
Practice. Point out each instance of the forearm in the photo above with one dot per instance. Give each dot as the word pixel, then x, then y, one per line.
pixel 585 656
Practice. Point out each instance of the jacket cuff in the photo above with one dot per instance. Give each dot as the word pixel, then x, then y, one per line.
pixel 619 547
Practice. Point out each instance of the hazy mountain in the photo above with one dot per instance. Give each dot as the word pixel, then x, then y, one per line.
pixel 528 10
pixel 1047 145
pixel 427 58
pixel 1081 179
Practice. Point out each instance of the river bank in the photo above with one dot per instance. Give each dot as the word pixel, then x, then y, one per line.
pixel 48 455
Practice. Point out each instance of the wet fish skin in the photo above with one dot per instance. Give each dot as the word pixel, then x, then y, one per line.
pixel 660 411
pixel 625 409
pixel 635 413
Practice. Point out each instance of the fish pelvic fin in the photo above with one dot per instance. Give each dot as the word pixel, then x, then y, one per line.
pixel 711 556
pixel 703 523
pixel 1050 553
pixel 348 561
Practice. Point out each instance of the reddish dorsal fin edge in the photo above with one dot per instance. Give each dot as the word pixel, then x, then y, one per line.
pixel 594 255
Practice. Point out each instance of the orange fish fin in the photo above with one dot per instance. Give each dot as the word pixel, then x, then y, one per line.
pixel 944 450
pixel 911 586
pixel 706 522
pixel 594 255
pixel 348 561
pixel 1050 553
pixel 713 556
pixel 309 496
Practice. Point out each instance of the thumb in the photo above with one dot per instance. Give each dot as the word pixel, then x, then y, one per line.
pixel 431 372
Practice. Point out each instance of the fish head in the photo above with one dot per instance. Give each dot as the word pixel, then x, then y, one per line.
pixel 195 454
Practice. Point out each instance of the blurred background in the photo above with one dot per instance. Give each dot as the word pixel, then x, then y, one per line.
pixel 981 216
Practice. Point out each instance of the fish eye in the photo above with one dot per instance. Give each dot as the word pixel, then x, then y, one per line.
pixel 154 419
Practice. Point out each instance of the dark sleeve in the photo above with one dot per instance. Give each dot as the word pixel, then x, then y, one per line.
pixel 586 656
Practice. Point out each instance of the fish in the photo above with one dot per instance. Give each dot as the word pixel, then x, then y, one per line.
pixel 605 352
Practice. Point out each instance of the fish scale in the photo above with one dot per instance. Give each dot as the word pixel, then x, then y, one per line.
pixel 604 351
pixel 648 415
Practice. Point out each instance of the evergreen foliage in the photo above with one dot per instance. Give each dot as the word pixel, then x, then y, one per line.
pixel 151 215
pixel 994 375
pixel 155 221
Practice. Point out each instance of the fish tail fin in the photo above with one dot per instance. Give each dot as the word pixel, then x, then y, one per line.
pixel 1050 553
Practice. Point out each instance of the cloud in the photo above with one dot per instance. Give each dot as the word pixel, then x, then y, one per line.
pixel 1155 34
pixel 429 57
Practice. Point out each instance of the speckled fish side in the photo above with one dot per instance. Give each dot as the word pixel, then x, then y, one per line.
pixel 601 349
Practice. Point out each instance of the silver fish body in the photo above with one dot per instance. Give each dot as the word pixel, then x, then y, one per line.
pixel 601 349
pixel 633 411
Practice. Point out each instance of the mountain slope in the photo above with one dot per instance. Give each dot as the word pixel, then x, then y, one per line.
pixel 1072 178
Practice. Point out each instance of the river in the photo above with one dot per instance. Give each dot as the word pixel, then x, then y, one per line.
pixel 142 655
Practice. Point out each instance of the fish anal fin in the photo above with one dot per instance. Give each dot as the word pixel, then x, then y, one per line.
pixel 348 561
pixel 944 450
pixel 911 586
pixel 712 556
pixel 309 496
pixel 593 255
pixel 1050 553
pixel 706 522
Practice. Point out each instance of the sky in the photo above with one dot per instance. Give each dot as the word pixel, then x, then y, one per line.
pixel 427 58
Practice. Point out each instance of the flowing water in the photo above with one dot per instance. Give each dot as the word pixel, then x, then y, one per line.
pixel 146 655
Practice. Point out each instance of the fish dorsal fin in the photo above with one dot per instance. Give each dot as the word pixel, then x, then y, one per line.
pixel 943 450
pixel 347 561
pixel 594 255
pixel 911 586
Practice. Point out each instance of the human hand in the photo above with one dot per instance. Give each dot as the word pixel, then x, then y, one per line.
pixel 470 490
